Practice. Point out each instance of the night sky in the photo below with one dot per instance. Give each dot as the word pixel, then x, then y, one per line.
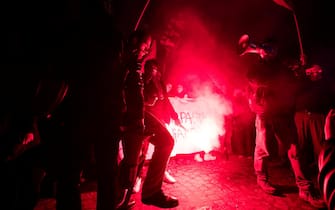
pixel 262 19
pixel 34 29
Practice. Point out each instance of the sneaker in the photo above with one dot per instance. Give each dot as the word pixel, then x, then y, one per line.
pixel 198 158
pixel 267 187
pixel 313 198
pixel 137 185
pixel 161 200
pixel 208 157
pixel 168 178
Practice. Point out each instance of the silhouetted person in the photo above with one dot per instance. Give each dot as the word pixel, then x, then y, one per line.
pixel 268 82
pixel 326 163
pixel 243 127
pixel 137 48
pixel 180 91
pixel 315 98
pixel 89 61
pixel 96 109
pixel 139 45
pixel 18 142
pixel 158 112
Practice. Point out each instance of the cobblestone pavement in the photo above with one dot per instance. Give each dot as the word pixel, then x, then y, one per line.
pixel 215 185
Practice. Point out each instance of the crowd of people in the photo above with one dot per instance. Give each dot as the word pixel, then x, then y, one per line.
pixel 289 110
pixel 109 91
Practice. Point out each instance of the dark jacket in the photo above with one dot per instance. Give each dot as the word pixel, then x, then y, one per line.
pixel 316 96
pixel 157 100
pixel 271 88
pixel 133 94
pixel 326 176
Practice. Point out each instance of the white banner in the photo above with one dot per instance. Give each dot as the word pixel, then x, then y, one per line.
pixel 203 122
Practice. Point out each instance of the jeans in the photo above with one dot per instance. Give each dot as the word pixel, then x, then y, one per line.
pixel 283 129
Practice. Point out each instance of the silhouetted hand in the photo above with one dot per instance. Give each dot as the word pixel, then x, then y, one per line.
pixel 27 143
pixel 303 59
pixel 329 127
pixel 178 123
pixel 29 137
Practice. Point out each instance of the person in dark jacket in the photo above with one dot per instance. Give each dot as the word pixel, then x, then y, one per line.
pixel 157 103
pixel 138 48
pixel 268 82
pixel 18 142
pixel 316 96
pixel 158 112
pixel 326 177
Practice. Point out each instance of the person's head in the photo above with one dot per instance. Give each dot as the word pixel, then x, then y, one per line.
pixel 169 87
pixel 180 88
pixel 267 50
pixel 151 71
pixel 139 44
pixel 270 48
pixel 151 67
pixel 314 73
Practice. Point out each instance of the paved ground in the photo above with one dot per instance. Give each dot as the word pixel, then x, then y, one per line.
pixel 215 185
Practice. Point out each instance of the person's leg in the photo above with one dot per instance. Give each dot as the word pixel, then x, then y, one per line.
pixel 8 186
pixel 163 145
pixel 303 181
pixel 26 196
pixel 302 125
pixel 168 178
pixel 307 191
pixel 29 176
pixel 287 137
pixel 73 146
pixel 106 153
pixel 67 184
pixel 250 134
pixel 163 142
pixel 142 159
pixel 286 133
pixel 237 136
pixel 316 124
pixel 157 166
pixel 261 155
pixel 132 143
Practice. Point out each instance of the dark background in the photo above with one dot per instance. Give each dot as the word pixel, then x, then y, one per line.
pixel 36 33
